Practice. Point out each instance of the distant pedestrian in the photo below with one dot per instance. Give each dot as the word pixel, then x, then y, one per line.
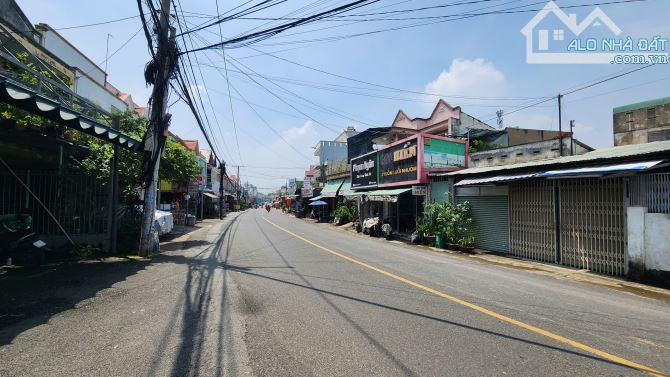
pixel 267 208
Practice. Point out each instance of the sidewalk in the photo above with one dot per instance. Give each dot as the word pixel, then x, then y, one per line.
pixel 546 269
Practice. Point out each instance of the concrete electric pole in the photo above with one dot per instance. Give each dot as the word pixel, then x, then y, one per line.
pixel 158 73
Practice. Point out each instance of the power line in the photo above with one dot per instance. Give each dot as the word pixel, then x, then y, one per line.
pixel 251 107
pixel 190 65
pixel 443 19
pixel 98 23
pixel 386 86
pixel 232 112
pixel 264 34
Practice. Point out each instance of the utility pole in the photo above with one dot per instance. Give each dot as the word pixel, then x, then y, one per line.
pixel 560 127
pixel 238 186
pixel 222 172
pixel 572 138
pixel 158 71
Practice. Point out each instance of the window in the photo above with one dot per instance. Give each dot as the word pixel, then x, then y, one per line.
pixel 559 34
pixel 651 113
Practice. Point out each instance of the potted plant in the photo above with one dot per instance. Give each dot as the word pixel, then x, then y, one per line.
pixel 467 244
pixel 464 227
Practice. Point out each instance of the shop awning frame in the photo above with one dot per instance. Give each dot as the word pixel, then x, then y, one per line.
pixel 386 195
pixel 331 188
pixel 29 100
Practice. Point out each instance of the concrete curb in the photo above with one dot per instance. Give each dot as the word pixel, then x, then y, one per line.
pixel 550 270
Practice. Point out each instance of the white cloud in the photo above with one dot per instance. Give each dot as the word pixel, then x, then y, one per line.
pixel 468 77
pixel 307 131
pixel 196 91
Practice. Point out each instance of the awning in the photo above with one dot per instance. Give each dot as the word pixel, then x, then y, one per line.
pixel 345 189
pixel 598 171
pixel 387 195
pixel 494 179
pixel 330 190
pixel 29 100
pixel 210 195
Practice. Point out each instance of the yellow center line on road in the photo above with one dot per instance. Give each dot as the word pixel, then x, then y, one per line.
pixel 537 330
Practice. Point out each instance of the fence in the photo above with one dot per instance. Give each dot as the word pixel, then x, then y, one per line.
pixel 79 202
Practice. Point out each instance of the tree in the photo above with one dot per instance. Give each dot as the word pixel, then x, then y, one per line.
pixel 178 164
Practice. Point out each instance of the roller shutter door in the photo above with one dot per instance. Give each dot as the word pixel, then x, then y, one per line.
pixel 491 215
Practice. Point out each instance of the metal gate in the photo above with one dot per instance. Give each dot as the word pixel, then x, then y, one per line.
pixel 651 191
pixel 593 232
pixel 491 214
pixel 532 220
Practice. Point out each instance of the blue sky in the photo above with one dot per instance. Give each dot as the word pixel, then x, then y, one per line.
pixel 482 57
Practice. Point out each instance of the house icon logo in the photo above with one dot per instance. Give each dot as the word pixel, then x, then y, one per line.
pixel 554 37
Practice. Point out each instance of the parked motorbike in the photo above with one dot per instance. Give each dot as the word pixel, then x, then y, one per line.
pixel 372 226
pixel 387 230
pixel 19 242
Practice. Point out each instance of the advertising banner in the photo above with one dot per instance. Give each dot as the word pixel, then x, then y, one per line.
pixel 399 163
pixel 443 154
pixel 364 171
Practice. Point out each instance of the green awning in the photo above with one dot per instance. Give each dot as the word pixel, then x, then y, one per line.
pixel 330 190
pixel 29 100
pixel 386 195
pixel 346 190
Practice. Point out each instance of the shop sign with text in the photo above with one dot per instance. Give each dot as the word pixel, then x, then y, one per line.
pixel 399 163
pixel 364 171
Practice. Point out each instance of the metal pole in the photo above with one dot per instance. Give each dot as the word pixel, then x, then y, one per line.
pixel 222 168
pixel 572 138
pixel 560 127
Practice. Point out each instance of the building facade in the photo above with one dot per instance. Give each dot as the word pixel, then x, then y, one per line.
pixel 642 122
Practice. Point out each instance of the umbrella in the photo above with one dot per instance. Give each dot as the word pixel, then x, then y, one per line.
pixel 318 203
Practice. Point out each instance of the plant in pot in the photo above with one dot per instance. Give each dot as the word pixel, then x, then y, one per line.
pixel 342 213
pixel 464 227
pixel 467 244
pixel 431 220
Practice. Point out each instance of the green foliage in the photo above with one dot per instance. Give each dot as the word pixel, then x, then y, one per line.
pixel 454 222
pixel 344 211
pixel 128 240
pixel 178 164
pixel 23 118
pixel 477 145
pixel 85 251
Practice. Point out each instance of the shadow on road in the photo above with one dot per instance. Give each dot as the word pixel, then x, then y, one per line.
pixel 31 298
pixel 195 305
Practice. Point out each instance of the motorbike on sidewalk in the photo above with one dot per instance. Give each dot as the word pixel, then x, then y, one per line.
pixel 372 226
pixel 387 230
pixel 18 243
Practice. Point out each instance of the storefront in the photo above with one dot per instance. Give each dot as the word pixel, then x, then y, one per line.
pixel 391 182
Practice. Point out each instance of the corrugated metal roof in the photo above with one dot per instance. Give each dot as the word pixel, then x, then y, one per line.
pixel 641 105
pixel 631 167
pixel 598 154
pixel 497 178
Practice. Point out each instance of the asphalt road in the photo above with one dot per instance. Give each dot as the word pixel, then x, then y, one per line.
pixel 270 295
